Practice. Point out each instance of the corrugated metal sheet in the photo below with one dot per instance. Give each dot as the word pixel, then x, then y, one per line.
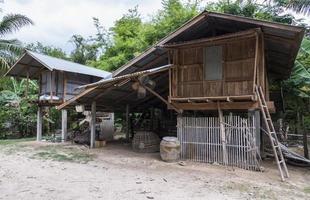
pixel 282 43
pixel 110 92
pixel 33 62
pixel 281 39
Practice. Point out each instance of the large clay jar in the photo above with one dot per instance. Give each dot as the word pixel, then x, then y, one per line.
pixel 170 149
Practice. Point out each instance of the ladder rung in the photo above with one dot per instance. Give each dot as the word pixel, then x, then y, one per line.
pixel 271 131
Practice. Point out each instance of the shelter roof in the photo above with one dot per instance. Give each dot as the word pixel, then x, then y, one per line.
pixel 281 41
pixel 32 63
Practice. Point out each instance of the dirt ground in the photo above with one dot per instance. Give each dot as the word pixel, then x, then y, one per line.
pixel 32 170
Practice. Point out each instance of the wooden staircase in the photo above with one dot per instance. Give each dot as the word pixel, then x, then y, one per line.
pixel 270 131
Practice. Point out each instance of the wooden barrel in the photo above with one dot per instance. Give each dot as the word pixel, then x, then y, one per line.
pixel 170 149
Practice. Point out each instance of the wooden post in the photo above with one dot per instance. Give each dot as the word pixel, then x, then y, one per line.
pixel 223 135
pixel 152 119
pixel 305 138
pixel 256 114
pixel 127 123
pixel 27 84
pixel 51 86
pixel 93 124
pixel 64 117
pixel 39 124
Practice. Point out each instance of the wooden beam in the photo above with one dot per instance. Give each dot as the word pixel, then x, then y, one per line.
pixel 127 123
pixel 161 98
pixel 219 98
pixel 214 40
pixel 93 125
pixel 75 98
pixel 223 105
pixel 256 61
pixel 64 86
pixel 105 89
pixel 27 84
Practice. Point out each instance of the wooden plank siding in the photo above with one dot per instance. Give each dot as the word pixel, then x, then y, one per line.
pixel 61 84
pixel 243 67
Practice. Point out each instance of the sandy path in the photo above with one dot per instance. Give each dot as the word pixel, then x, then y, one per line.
pixel 118 173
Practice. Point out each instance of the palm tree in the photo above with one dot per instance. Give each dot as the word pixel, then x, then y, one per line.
pixel 10 49
pixel 299 6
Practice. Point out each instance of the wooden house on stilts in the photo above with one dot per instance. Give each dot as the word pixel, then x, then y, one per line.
pixel 214 73
pixel 57 80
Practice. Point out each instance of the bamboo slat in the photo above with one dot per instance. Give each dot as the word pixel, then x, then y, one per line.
pixel 201 141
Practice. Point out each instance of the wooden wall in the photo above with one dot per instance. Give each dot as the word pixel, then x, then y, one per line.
pixel 238 61
pixel 63 84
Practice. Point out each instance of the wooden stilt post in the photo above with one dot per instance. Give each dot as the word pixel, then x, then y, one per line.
pixel 27 84
pixel 64 120
pixel 39 124
pixel 127 123
pixel 257 125
pixel 93 125
pixel 223 135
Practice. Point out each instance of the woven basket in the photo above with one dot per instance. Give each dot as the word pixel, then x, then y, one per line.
pixel 145 142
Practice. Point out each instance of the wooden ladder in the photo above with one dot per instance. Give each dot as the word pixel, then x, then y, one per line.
pixel 272 134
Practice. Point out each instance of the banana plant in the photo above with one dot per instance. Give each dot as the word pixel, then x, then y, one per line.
pixel 299 82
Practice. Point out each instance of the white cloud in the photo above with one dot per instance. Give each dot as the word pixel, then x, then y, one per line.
pixel 56 21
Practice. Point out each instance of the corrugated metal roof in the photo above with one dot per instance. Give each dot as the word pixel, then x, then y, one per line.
pixel 89 90
pixel 282 41
pixel 33 60
pixel 281 47
pixel 127 76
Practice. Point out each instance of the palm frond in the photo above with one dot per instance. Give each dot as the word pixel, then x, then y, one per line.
pixel 300 71
pixel 13 22
pixel 4 65
pixel 299 6
pixel 12 46
pixel 8 57
pixel 305 46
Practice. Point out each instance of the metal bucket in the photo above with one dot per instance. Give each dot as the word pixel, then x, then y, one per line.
pixel 170 149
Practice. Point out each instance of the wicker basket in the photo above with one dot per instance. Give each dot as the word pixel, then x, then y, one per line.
pixel 145 142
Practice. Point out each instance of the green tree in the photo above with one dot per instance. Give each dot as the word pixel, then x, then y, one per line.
pixel 84 51
pixel 299 6
pixel 173 14
pixel 10 49
pixel 127 41
pixel 130 35
pixel 47 50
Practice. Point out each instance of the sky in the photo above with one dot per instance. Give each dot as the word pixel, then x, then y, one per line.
pixel 57 20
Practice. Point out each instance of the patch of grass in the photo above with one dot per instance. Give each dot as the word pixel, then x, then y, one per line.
pixel 307 190
pixel 237 186
pixel 12 146
pixel 15 141
pixel 266 194
pixel 61 154
pixel 254 192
